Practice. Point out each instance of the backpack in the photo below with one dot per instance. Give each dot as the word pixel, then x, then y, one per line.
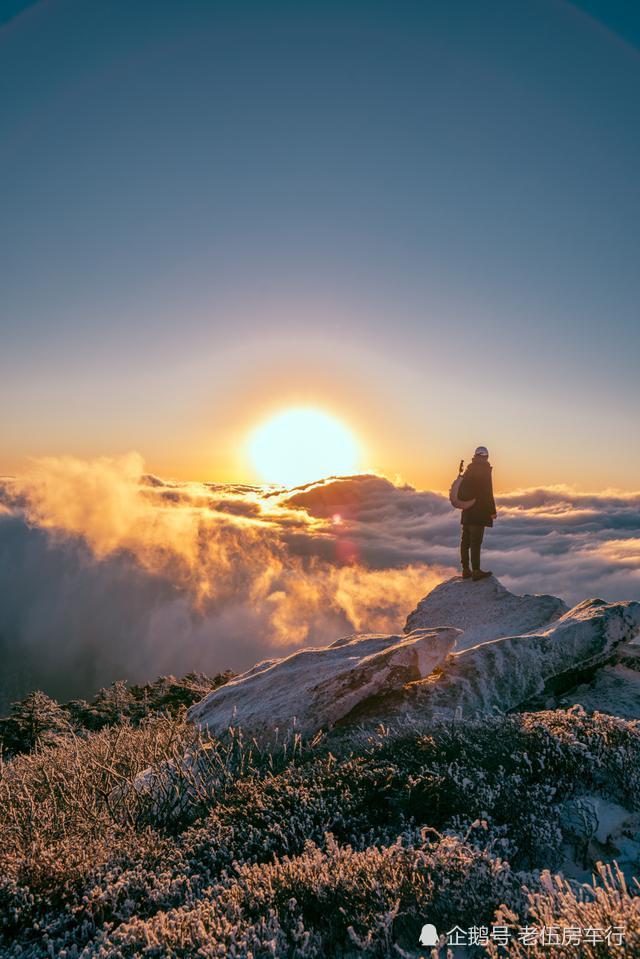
pixel 453 491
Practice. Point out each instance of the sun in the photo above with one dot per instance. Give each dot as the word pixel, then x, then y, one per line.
pixel 301 445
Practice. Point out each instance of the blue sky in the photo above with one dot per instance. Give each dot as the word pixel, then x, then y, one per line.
pixel 420 216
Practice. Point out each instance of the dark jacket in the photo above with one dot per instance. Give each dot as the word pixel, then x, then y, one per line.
pixel 476 483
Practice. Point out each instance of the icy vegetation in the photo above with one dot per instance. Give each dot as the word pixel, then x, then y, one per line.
pixel 301 852
pixel 151 836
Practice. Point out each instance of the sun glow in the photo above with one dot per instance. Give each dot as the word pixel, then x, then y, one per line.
pixel 301 445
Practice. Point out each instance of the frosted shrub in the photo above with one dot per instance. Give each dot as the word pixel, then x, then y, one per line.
pixel 605 903
pixel 458 772
pixel 144 841
pixel 326 901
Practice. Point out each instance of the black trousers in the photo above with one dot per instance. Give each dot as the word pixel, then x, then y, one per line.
pixel 472 535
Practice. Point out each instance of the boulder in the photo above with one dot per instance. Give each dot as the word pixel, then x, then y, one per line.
pixel 507 673
pixel 313 688
pixel 484 610
pixel 469 632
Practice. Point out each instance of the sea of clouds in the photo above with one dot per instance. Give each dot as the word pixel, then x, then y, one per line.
pixel 108 572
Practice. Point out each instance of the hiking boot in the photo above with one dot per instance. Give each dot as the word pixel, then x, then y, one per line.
pixel 479 574
pixel 466 574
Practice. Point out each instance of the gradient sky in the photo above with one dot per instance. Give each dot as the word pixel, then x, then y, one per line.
pixel 423 217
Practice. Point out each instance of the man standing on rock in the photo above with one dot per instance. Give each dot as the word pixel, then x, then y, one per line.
pixel 476 484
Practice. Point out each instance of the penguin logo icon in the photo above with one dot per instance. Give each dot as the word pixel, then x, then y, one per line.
pixel 429 935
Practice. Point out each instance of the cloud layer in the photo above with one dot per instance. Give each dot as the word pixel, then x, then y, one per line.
pixel 108 572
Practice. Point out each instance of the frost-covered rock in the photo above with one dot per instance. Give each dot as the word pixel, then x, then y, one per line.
pixel 494 650
pixel 484 610
pixel 507 673
pixel 614 689
pixel 314 688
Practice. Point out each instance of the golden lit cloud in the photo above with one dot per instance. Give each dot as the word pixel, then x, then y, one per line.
pixel 107 570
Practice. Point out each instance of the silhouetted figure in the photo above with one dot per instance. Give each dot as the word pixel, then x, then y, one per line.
pixel 476 484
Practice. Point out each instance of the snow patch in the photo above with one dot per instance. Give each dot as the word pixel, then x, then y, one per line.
pixel 603 830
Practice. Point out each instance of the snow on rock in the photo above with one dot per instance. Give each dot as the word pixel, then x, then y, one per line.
pixel 614 689
pixel 507 673
pixel 601 830
pixel 484 610
pixel 313 688
pixel 494 650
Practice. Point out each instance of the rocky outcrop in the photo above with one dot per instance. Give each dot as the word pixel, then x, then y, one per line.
pixel 484 610
pixel 314 688
pixel 508 673
pixel 467 659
